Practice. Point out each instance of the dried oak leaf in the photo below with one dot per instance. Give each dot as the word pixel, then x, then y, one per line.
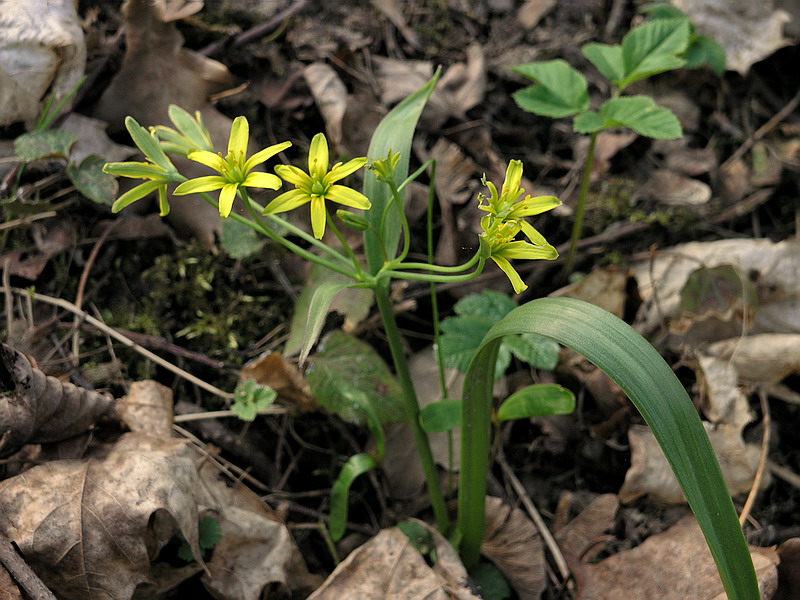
pixel 90 528
pixel 36 408
pixel 673 565
pixel 391 568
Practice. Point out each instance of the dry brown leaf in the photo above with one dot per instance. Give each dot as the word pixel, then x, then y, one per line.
pixel 602 287
pixel 389 567
pixel 789 570
pixel 91 528
pixel 773 267
pixel 36 408
pixel 512 543
pixel 92 140
pixel 651 474
pixel 748 31
pixel 530 13
pixel 148 408
pixel 724 402
pixel 692 161
pixel 392 11
pixel 9 590
pixel 765 358
pixel 175 10
pixel 43 51
pixel 608 144
pixel 330 94
pixel 580 534
pixel 50 241
pixel 673 565
pixel 273 370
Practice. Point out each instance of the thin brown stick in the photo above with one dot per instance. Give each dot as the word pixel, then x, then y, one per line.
pixel 126 341
pixel 537 519
pixel 22 573
pixel 762 460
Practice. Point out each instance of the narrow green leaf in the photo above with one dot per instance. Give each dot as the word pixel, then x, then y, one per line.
pixel 653 48
pixel 44 144
pixel 588 122
pixel 356 465
pixel 395 132
pixel 345 364
pixel 540 400
pixel 92 181
pixel 444 415
pixel 643 115
pixel 656 392
pixel 607 58
pixel 560 90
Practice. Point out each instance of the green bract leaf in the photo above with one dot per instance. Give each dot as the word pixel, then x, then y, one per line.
pixel 607 58
pixel 653 48
pixel 240 241
pixel 444 415
pixel 44 144
pixel 540 400
pixel 588 122
pixel 653 388
pixel 92 181
pixel 346 364
pixel 643 115
pixel 560 90
pixel 394 133
pixel 356 465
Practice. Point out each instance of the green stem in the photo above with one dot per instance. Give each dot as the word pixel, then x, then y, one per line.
pixel 412 407
pixel 344 243
pixel 434 278
pixel 436 268
pixel 580 211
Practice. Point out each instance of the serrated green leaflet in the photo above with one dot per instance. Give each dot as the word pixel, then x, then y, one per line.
pixel 540 400
pixel 656 392
pixel 444 415
pixel 653 48
pixel 560 90
pixel 607 58
pixel 642 115
pixel 588 122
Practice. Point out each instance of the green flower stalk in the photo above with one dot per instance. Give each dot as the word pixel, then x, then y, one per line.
pixel 235 170
pixel 158 170
pixel 506 219
pixel 317 186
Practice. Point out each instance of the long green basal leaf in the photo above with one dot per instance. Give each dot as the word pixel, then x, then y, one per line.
pixel 656 392
pixel 394 133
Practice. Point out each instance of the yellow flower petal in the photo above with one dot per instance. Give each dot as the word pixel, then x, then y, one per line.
pixel 209 159
pixel 520 249
pixel 136 170
pixel 262 180
pixel 340 171
pixel 131 196
pixel 318 216
pixel 240 134
pixel 163 203
pixel 348 197
pixel 534 206
pixel 533 234
pixel 513 180
pixel 287 201
pixel 264 155
pixel 201 184
pixel 318 156
pixel 292 174
pixel 511 273
pixel 226 198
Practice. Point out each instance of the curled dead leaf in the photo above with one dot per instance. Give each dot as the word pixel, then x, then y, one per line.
pixel 37 408
pixel 764 358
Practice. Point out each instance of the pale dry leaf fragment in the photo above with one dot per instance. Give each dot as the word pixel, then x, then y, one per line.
pixel 36 408
pixel 533 11
pixel 651 474
pixel 148 408
pixel 330 94
pixel 174 10
pixel 389 567
pixel 392 11
pixel 582 532
pixel 724 402
pixel 512 542
pixel 605 288
pixel 773 267
pixel 42 51
pixel 90 528
pixel 748 31
pixel 673 565
pixel 93 140
pixel 673 189
pixel 272 370
pixel 764 358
